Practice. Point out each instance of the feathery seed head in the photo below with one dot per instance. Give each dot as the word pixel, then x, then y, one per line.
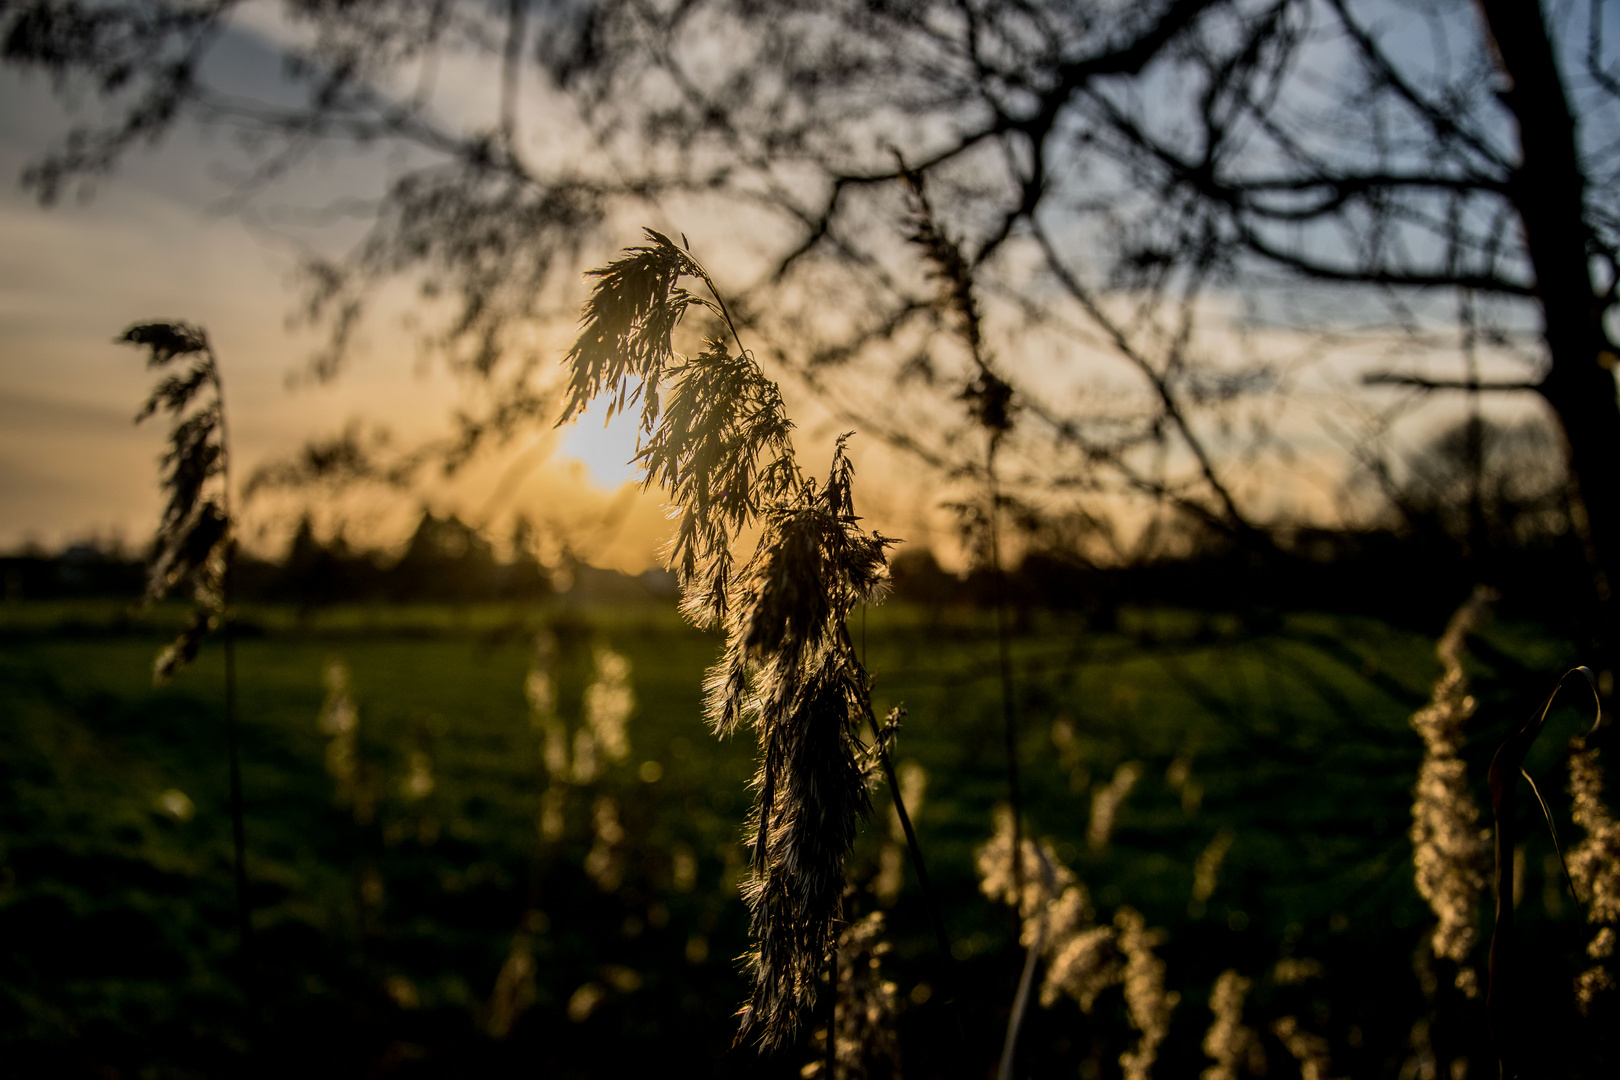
pixel 868 1005
pixel 716 436
pixel 1082 959
pixel 1146 1000
pixel 1229 1043
pixel 1450 853
pixel 194 533
pixel 1594 867
pixel 1311 1051
pixel 1106 801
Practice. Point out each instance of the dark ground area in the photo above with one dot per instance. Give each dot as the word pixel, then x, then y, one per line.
pixel 441 932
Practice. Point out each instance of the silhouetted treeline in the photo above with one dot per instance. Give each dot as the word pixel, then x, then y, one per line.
pixel 444 560
pixel 1411 573
pixel 1480 503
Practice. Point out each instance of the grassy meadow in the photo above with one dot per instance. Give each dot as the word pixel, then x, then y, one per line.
pixel 452 908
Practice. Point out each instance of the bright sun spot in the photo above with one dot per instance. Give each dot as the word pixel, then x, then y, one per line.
pixel 605 446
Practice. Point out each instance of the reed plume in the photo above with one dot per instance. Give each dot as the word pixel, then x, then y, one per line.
pixel 1146 999
pixel 194 545
pixel 1229 1042
pixel 1594 867
pixel 1311 1051
pixel 1450 853
pixel 339 721
pixel 715 436
pixel 990 404
pixel 540 688
pixel 891 858
pixel 515 988
pixel 1106 802
pixel 866 1042
pixel 605 861
pixel 1206 871
pixel 1082 959
pixel 609 701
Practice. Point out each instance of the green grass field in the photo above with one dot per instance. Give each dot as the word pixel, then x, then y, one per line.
pixel 442 934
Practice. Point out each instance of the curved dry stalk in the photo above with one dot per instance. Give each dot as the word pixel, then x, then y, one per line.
pixel 1506 767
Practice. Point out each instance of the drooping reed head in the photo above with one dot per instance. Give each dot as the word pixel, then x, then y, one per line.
pixel 193 536
pixel 1450 853
pixel 720 445
pixel 715 435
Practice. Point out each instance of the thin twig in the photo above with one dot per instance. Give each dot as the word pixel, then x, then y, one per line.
pixel 1420 382
pixel 1009 713
pixel 941 938
pixel 1026 981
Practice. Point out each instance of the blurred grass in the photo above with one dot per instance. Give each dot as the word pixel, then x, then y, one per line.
pixel 378 943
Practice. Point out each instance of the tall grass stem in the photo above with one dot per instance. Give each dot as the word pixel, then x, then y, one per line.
pixel 244 921
pixel 1015 1023
pixel 832 1011
pixel 941 938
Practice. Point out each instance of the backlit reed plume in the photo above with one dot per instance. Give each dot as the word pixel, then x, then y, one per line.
pixel 540 687
pixel 1311 1051
pixel 1071 754
pixel 891 857
pixel 1081 958
pixel 602 739
pixel 1206 871
pixel 1229 1042
pixel 339 721
pixel 1106 802
pixel 194 544
pixel 605 861
pixel 1594 867
pixel 609 701
pixel 1296 970
pixel 418 782
pixel 1146 1000
pixel 1181 779
pixel 515 988
pixel 990 404
pixel 1450 852
pixel 867 1044
pixel 715 436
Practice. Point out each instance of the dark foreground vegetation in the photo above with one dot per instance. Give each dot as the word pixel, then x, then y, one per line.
pixel 456 869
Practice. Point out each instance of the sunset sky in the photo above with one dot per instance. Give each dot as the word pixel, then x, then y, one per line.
pixel 151 244
pixel 158 240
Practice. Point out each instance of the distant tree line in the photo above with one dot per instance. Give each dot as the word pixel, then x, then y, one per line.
pixel 444 560
pixel 1482 502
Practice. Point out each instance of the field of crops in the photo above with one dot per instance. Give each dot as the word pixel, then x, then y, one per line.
pixel 456 881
